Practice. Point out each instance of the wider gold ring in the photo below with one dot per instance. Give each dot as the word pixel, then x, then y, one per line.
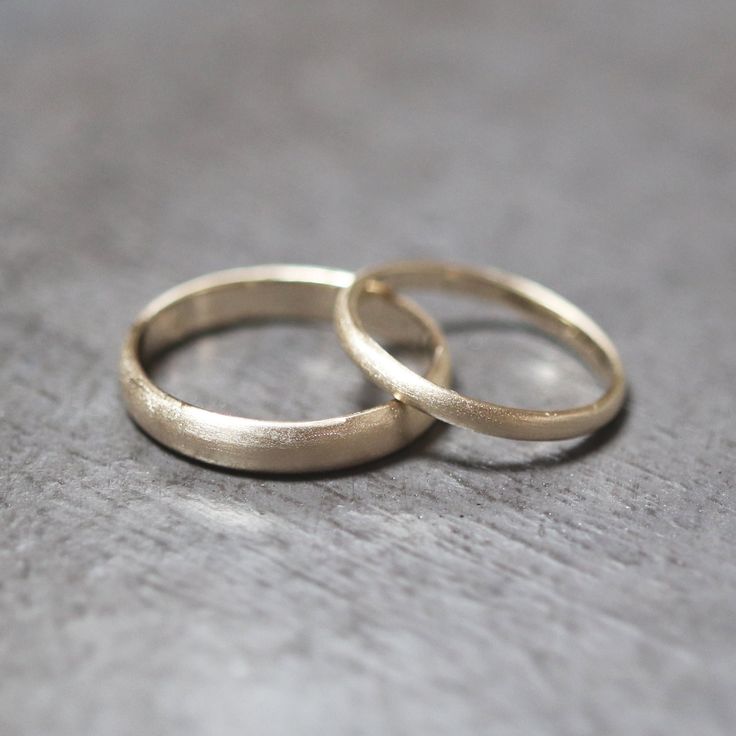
pixel 551 312
pixel 227 297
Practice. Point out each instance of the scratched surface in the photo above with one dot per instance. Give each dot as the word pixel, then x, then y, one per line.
pixel 469 585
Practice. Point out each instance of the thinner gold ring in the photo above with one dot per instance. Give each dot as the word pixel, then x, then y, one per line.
pixel 275 291
pixel 551 312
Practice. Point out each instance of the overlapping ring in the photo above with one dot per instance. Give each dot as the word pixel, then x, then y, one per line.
pixel 285 291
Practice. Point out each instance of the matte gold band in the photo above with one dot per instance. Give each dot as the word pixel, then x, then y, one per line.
pixel 227 297
pixel 550 311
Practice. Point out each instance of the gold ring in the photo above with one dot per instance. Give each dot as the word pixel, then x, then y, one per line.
pixel 551 312
pixel 228 297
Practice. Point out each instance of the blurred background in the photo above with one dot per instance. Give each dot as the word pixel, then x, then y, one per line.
pixel 590 145
pixel 520 133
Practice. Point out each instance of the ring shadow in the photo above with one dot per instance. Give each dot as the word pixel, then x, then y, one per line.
pixel 424 444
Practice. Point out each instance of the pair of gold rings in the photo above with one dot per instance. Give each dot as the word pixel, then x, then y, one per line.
pixel 363 307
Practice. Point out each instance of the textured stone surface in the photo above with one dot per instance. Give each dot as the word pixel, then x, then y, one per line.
pixel 470 585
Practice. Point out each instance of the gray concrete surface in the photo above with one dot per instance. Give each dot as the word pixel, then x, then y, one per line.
pixel 469 585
